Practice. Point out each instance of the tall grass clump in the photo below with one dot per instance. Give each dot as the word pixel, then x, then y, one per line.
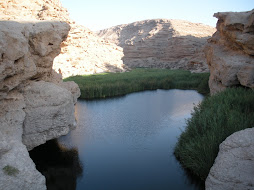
pixel 115 84
pixel 10 170
pixel 216 118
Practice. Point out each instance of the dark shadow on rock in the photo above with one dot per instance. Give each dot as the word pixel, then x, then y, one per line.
pixel 113 68
pixel 59 165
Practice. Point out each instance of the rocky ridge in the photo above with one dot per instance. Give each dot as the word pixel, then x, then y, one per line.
pixel 230 51
pixel 35 105
pixel 83 52
pixel 161 43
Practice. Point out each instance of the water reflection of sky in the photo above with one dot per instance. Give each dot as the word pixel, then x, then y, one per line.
pixel 127 142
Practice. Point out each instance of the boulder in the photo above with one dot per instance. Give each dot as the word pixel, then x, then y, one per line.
pixel 49 113
pixel 234 165
pixel 230 51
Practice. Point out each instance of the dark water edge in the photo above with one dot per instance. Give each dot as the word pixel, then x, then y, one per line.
pixel 112 154
pixel 60 166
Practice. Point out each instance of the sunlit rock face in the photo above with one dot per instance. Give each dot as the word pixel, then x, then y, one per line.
pixel 234 165
pixel 83 52
pixel 230 52
pixel 161 43
pixel 35 105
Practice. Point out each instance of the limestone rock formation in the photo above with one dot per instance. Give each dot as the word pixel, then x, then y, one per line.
pixel 35 105
pixel 161 43
pixel 234 165
pixel 13 154
pixel 230 52
pixel 49 113
pixel 83 52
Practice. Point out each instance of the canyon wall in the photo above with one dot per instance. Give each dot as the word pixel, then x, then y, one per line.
pixel 35 105
pixel 230 52
pixel 83 52
pixel 230 56
pixel 161 43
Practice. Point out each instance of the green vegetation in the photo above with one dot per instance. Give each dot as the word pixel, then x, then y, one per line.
pixel 10 170
pixel 115 84
pixel 216 118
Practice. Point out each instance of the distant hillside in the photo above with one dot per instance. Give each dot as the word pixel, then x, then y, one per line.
pixel 161 43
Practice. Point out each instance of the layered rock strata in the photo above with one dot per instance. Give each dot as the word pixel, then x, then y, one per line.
pixel 234 165
pixel 35 105
pixel 230 52
pixel 161 43
pixel 83 52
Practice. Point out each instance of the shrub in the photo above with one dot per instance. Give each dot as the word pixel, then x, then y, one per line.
pixel 10 170
pixel 216 118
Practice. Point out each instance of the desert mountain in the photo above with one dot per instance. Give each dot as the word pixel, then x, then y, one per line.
pixel 161 43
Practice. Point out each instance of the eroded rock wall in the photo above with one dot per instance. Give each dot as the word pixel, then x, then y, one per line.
pixel 161 43
pixel 35 105
pixel 13 153
pixel 230 52
pixel 83 52
pixel 230 57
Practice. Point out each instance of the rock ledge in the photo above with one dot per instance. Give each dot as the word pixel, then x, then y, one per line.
pixel 230 52
pixel 35 105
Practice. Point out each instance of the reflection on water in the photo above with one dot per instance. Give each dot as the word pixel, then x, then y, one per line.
pixel 128 142
pixel 59 165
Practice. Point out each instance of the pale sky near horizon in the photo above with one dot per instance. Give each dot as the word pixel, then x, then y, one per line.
pixel 100 14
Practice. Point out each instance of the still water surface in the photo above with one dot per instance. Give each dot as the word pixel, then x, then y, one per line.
pixel 127 143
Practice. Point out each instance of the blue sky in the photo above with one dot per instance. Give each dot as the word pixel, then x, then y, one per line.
pixel 100 14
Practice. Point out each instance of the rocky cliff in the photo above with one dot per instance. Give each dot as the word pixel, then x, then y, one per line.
pixel 230 56
pixel 83 52
pixel 230 52
pixel 161 43
pixel 35 105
